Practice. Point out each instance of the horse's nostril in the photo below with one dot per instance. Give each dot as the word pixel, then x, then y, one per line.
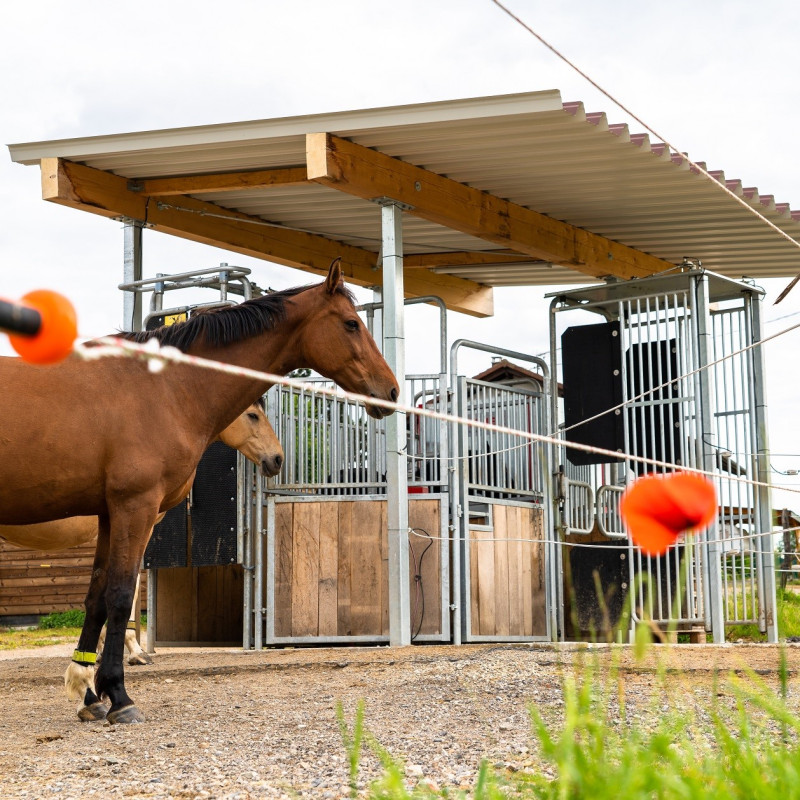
pixel 278 461
pixel 393 395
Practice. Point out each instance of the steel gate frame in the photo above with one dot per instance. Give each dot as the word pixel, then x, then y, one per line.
pixel 462 492
pixel 681 303
pixel 337 451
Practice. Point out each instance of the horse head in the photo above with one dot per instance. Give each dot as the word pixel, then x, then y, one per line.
pixel 252 435
pixel 336 343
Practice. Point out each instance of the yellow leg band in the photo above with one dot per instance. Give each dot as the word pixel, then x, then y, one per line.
pixel 82 657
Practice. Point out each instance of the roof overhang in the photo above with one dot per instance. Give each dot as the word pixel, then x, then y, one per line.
pixel 512 190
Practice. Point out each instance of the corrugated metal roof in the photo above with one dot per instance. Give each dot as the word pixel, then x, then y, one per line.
pixel 531 149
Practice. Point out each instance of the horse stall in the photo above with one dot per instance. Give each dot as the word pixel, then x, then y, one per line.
pixel 316 548
pixel 670 374
pixel 513 538
pixel 302 558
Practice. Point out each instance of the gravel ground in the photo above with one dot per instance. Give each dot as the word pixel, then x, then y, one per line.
pixel 230 724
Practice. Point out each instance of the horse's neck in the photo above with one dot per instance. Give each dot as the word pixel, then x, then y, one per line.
pixel 221 397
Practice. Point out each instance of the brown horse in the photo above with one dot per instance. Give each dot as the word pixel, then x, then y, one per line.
pixel 250 433
pixel 123 442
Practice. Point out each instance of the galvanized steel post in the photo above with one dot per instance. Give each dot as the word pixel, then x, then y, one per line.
pixel 706 400
pixel 768 600
pixel 132 271
pixel 132 321
pixel 396 470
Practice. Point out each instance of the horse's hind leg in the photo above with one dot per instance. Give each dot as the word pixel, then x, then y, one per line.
pixel 130 531
pixel 136 655
pixel 79 677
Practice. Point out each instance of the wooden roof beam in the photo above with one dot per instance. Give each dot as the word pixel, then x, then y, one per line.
pixel 219 182
pixel 372 175
pixel 464 259
pixel 100 192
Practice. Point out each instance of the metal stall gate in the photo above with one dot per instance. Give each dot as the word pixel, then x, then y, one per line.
pixel 503 561
pixel 315 547
pixel 665 377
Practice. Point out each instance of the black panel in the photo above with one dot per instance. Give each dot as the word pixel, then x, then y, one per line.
pixel 168 544
pixel 655 429
pixel 611 564
pixel 214 508
pixel 591 368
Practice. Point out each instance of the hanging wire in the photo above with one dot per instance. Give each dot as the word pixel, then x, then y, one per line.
pixel 721 186
pixel 419 589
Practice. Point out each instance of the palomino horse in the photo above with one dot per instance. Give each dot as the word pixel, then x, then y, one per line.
pixel 250 433
pixel 123 442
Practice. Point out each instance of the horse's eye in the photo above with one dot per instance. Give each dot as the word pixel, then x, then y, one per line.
pixel 352 324
pixel 253 416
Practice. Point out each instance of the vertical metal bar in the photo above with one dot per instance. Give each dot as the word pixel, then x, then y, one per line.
pixel 553 527
pixel 241 465
pixel 132 271
pixel 744 454
pixel 397 475
pixel 764 522
pixel 461 557
pixel 258 566
pixel 708 449
pixel 270 576
pixel 247 563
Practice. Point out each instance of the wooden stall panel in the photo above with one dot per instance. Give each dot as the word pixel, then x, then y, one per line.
pixel 284 513
pixel 425 559
pixel 219 603
pixel 305 569
pixel 331 568
pixel 174 603
pixel 507 589
pixel 369 611
pixel 200 604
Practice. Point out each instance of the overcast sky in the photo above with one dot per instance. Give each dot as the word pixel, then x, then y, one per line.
pixel 716 78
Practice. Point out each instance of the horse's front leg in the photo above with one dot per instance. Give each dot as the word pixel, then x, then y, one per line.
pixel 130 530
pixel 79 677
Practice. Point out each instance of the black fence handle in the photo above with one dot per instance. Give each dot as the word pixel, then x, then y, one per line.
pixel 19 319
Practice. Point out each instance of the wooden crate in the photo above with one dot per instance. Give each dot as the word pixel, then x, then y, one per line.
pixel 507 578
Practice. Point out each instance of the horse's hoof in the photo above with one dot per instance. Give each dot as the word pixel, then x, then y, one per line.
pixel 139 659
pixel 92 713
pixel 125 716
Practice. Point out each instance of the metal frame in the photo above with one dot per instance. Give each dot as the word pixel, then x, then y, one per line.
pixel 721 415
pixel 262 610
pixel 462 493
pixel 346 460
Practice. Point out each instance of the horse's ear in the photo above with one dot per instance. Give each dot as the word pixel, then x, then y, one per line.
pixel 335 277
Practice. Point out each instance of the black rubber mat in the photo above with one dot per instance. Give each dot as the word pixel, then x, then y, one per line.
pixel 214 508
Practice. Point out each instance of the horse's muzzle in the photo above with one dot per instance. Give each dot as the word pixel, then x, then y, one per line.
pixel 379 412
pixel 271 466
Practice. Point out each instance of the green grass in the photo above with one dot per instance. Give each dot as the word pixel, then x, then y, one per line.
pixel 16 638
pixel 59 628
pixel 733 738
pixel 63 619
pixel 788 620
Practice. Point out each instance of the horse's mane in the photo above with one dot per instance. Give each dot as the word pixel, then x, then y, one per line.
pixel 222 326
